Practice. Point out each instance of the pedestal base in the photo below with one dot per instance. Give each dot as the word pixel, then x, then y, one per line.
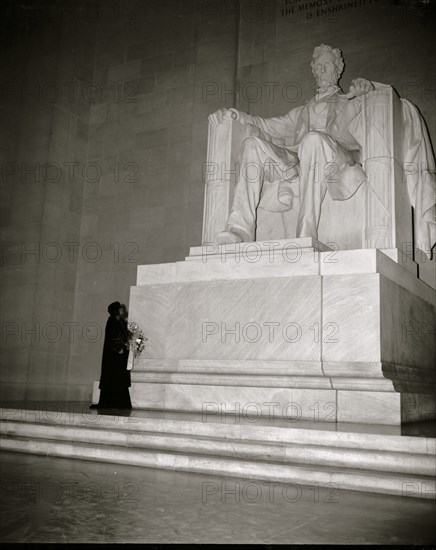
pixel 289 328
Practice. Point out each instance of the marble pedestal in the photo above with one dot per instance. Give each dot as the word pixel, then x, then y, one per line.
pixel 286 328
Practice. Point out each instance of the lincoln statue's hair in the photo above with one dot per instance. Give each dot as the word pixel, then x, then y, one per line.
pixel 335 52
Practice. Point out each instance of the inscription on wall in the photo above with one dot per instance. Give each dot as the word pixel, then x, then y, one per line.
pixel 301 9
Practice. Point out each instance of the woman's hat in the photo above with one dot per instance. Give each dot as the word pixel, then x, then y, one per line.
pixel 113 308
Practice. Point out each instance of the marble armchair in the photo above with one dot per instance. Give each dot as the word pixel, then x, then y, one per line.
pixel 378 215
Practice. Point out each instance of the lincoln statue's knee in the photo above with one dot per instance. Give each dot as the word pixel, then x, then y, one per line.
pixel 313 139
pixel 251 143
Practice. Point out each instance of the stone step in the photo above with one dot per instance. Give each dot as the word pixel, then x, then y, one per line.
pixel 297 453
pixel 265 381
pixel 267 248
pixel 333 370
pixel 273 430
pixel 326 404
pixel 262 367
pixel 355 457
pixel 337 479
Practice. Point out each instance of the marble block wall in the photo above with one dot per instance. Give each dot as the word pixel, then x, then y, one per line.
pixel 48 58
pixel 383 315
pixel 151 62
pixel 247 319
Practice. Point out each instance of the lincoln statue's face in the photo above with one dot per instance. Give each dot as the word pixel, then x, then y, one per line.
pixel 325 70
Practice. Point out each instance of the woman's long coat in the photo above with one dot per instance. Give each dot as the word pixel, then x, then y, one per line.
pixel 114 373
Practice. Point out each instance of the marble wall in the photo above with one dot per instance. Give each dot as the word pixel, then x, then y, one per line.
pixel 148 132
pixel 48 57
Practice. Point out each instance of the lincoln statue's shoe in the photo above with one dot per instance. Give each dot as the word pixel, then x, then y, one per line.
pixel 228 237
pixel 284 194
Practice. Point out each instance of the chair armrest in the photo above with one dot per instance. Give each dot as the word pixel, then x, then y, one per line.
pixel 220 172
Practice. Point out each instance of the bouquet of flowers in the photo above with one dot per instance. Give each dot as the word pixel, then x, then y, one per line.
pixel 137 342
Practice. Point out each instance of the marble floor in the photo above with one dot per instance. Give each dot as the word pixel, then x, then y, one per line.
pixel 47 499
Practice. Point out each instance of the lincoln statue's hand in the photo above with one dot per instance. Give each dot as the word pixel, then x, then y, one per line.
pixel 216 118
pixel 358 87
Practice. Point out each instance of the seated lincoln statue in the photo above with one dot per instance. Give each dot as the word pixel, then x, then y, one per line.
pixel 318 155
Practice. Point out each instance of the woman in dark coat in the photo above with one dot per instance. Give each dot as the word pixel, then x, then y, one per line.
pixel 115 378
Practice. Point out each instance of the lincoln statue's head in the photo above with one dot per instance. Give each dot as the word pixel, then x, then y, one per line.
pixel 327 65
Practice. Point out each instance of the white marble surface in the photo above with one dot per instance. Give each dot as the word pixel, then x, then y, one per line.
pixel 149 307
pixel 289 262
pixel 147 396
pixel 407 327
pixel 373 260
pixel 291 367
pixel 360 384
pixel 267 248
pixel 351 306
pixel 359 369
pixel 271 319
pixel 347 321
pixel 343 262
pixel 156 274
pixel 293 262
pixel 401 258
pixel 231 379
pixel 369 407
pixel 319 405
pixel 292 403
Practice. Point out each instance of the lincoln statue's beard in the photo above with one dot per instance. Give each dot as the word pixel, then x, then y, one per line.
pixel 326 82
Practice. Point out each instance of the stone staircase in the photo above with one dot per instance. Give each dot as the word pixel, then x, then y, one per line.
pixel 354 457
